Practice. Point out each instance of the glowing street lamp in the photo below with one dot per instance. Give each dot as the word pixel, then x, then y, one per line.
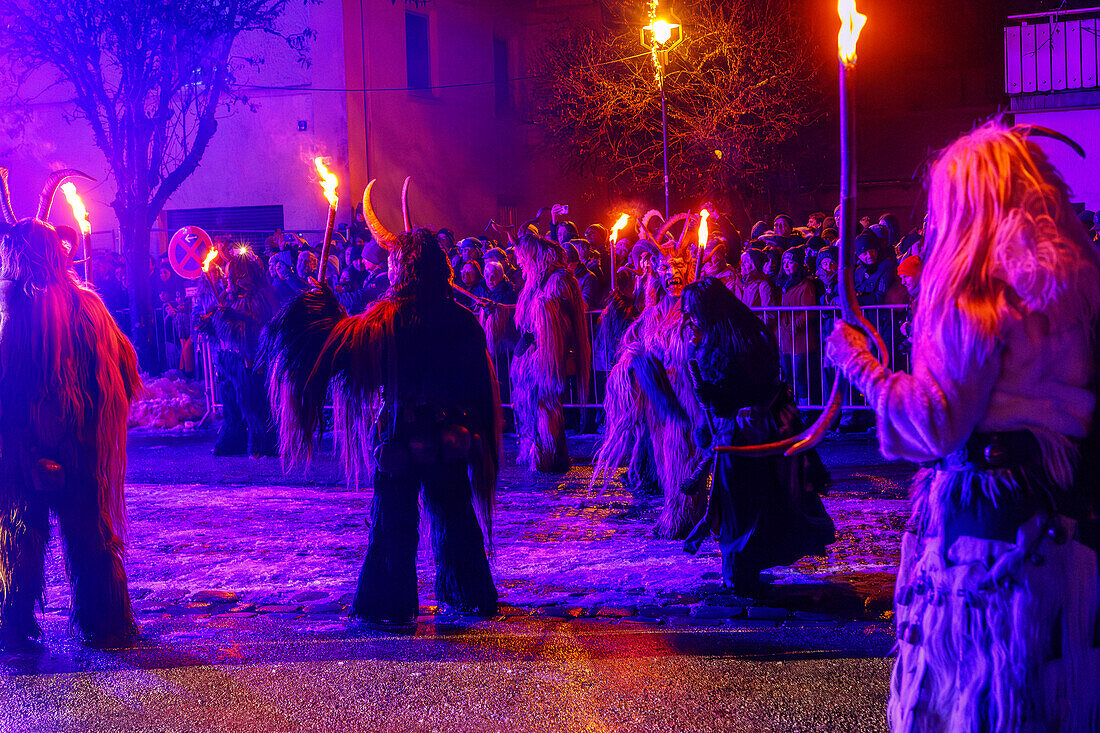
pixel 660 37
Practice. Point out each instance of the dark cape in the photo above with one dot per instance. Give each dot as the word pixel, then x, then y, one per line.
pixel 765 511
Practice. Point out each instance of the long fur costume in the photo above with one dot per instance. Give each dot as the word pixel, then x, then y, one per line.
pixel 652 414
pixel 550 311
pixel 498 322
pixel 67 377
pixel 997 632
pixel 766 510
pixel 413 348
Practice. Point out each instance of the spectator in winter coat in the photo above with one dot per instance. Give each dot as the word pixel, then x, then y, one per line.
pixel 827 259
pixel 472 279
pixel 873 276
pixel 590 286
pixel 716 264
pixel 755 290
pixel 799 330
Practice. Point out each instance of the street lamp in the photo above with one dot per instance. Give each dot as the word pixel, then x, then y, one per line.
pixel 660 37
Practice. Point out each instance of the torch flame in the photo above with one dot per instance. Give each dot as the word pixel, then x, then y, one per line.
pixel 77 205
pixel 851 22
pixel 210 257
pixel 619 224
pixel 328 180
pixel 704 234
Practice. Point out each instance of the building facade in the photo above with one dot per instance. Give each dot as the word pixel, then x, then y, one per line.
pixel 432 89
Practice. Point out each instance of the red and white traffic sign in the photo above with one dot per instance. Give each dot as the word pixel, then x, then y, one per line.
pixel 186 251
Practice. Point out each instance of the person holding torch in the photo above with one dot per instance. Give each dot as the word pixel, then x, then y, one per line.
pixel 997 593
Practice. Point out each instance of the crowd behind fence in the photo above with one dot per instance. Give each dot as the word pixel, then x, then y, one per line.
pixel 801 333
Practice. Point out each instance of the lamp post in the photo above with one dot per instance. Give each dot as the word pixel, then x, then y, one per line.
pixel 660 37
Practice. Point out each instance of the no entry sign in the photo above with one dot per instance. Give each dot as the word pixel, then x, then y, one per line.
pixel 187 250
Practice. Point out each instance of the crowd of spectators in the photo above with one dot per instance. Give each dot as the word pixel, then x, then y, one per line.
pixel 777 265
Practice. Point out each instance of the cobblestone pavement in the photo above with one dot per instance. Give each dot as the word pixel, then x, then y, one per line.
pixel 217 538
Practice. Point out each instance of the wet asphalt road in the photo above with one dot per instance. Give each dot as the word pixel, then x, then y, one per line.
pixel 538 676
pixel 286 672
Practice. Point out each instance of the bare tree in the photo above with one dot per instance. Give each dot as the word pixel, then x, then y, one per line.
pixel 151 78
pixel 739 85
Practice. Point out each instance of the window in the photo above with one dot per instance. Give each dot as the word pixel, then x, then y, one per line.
pixel 418 52
pixel 500 76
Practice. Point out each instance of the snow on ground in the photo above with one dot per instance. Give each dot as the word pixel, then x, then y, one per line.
pixel 203 523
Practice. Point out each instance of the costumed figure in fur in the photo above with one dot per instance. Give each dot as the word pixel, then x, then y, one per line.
pixel 67 377
pixel 997 593
pixel 553 345
pixel 416 405
pixel 232 325
pixel 765 511
pixel 652 418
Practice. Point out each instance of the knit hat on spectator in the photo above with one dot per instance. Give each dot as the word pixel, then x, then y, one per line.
pixel 798 254
pixel 758 257
pixel 866 242
pixel 816 243
pixel 829 252
pixel 911 266
pixel 375 254
pixel 470 242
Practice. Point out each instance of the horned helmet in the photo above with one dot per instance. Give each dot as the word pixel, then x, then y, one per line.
pixel 32 250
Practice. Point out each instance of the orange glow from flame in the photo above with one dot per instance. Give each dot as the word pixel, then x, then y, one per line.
pixel 851 22
pixel 77 206
pixel 704 234
pixel 210 257
pixel 619 224
pixel 328 180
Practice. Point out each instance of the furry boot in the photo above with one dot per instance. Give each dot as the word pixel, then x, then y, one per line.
pixel 101 601
pixel 462 577
pixel 24 534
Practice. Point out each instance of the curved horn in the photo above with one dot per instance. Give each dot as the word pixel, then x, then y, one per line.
pixel 668 225
pixel 5 198
pixel 45 201
pixel 684 231
pixel 1047 132
pixel 530 223
pixel 381 235
pixel 405 205
pixel 643 222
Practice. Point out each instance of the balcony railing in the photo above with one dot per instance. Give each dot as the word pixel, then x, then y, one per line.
pixel 1052 52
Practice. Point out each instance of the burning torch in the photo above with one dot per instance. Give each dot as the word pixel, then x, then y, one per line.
pixel 619 224
pixel 328 184
pixel 81 215
pixel 704 235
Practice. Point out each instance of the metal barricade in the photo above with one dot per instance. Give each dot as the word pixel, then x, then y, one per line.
pixel 800 331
